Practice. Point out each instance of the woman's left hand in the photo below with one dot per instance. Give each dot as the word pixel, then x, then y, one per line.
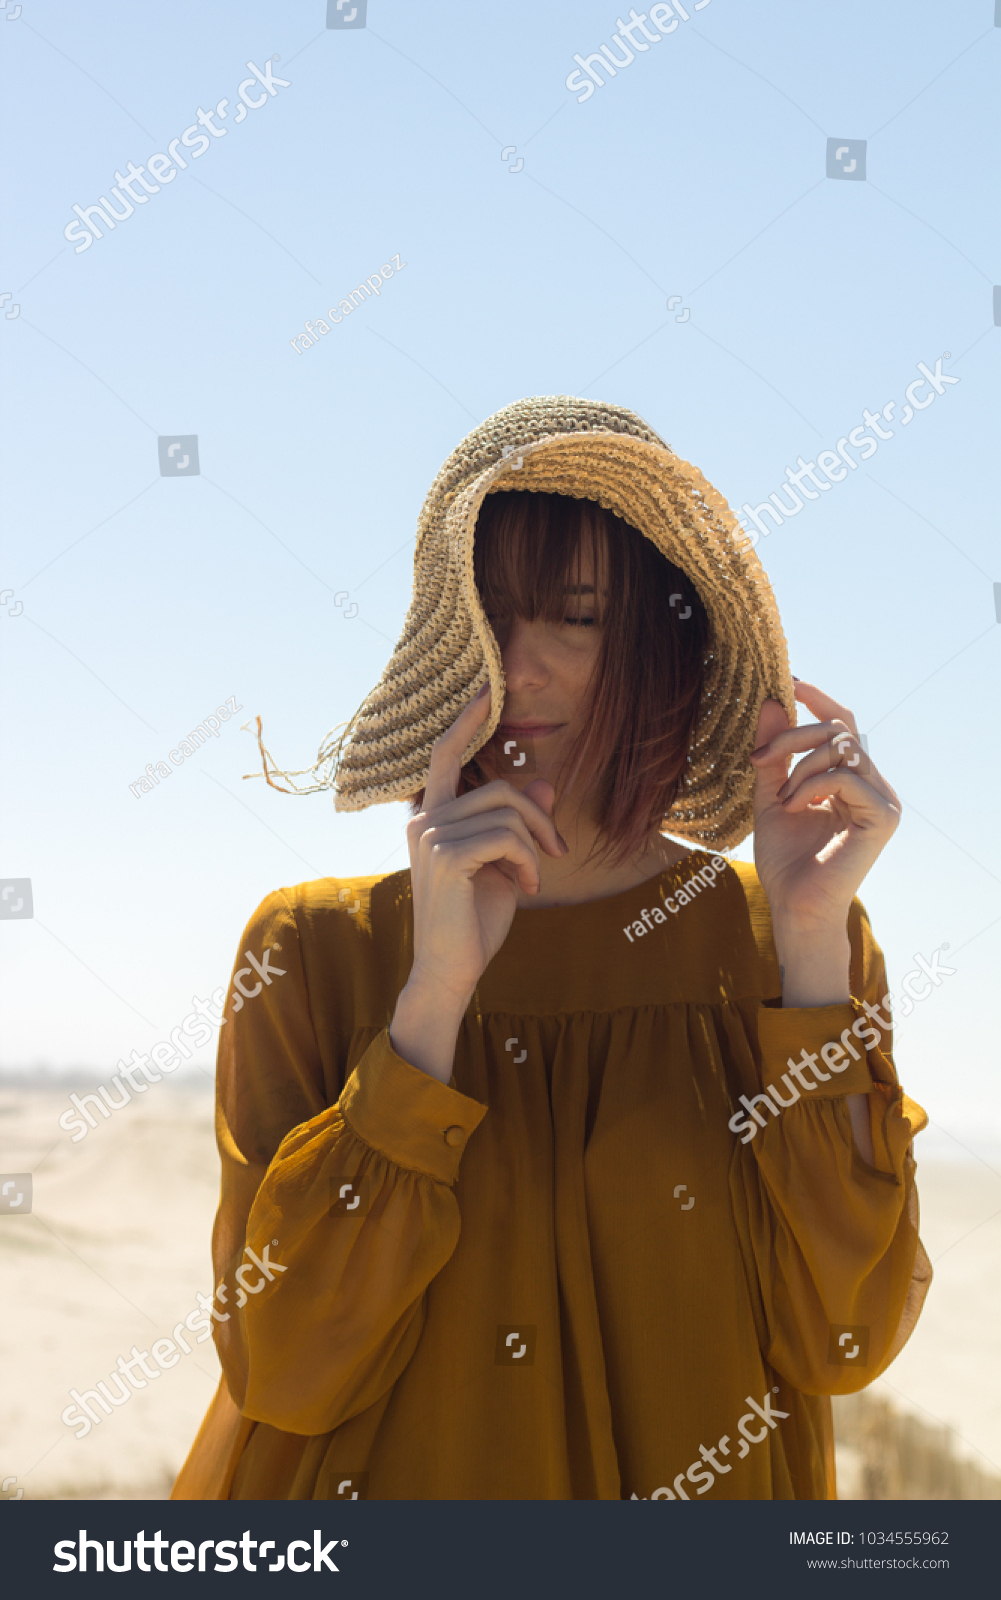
pixel 817 832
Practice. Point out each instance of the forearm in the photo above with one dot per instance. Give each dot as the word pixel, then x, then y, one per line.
pixel 813 965
pixel 425 1028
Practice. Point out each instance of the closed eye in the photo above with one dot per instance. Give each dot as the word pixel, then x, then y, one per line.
pixel 494 617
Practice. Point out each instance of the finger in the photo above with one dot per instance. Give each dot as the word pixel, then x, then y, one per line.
pixel 841 751
pixel 771 773
pixel 866 808
pixel 772 720
pixel 449 748
pixel 498 795
pixel 818 763
pixel 789 740
pixel 470 827
pixel 497 847
pixel 822 705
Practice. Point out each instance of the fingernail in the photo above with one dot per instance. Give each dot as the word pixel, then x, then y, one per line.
pixel 481 692
pixel 563 842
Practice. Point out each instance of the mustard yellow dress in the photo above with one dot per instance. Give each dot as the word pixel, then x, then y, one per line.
pixel 561 1275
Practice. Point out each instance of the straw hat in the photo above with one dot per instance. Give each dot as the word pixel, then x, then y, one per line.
pixel 564 445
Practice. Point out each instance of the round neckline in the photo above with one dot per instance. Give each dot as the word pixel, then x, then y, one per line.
pixel 620 894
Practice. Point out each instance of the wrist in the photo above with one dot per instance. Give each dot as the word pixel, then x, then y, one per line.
pixel 425 1027
pixel 425 992
pixel 814 964
pixel 808 925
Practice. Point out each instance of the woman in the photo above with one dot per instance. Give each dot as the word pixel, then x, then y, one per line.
pixel 608 1294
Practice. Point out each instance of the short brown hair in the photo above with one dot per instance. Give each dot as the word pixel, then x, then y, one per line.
pixel 646 688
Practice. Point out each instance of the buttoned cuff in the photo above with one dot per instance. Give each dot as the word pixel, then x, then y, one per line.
pixel 410 1117
pixel 824 1032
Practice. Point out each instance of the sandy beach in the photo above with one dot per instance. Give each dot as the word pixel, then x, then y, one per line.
pixel 116 1249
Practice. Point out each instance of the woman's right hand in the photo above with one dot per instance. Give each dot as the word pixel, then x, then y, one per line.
pixel 469 855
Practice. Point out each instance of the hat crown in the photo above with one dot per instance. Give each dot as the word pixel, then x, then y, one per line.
pixel 523 423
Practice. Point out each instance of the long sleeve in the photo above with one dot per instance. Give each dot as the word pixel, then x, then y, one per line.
pixel 834 1240
pixel 334 1218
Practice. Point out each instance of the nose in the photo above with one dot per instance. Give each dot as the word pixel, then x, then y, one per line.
pixel 523 655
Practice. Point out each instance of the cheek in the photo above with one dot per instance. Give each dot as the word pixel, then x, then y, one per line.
pixel 576 669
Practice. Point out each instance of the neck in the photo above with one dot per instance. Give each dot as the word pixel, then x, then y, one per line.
pixel 572 879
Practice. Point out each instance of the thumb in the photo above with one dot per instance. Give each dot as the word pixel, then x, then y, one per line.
pixel 542 792
pixel 771 775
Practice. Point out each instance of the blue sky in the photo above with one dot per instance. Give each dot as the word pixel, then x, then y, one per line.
pixel 699 170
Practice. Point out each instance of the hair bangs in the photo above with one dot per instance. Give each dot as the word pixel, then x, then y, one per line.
pixel 527 552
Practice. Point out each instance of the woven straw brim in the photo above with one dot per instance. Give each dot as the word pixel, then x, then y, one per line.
pixel 447 649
